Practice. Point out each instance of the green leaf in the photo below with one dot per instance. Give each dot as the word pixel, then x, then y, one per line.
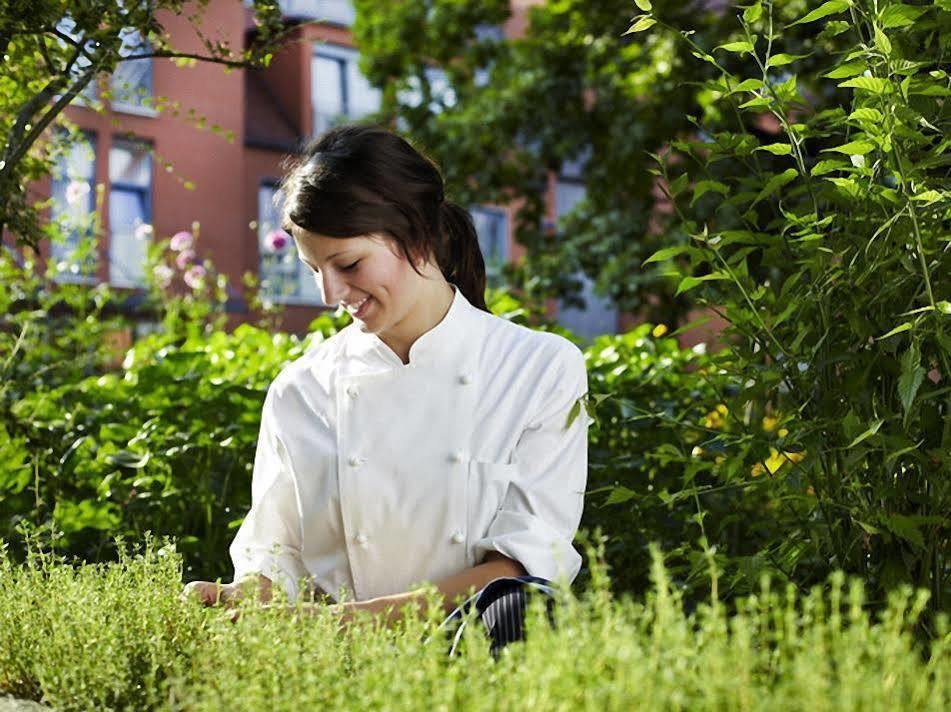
pixel 944 307
pixel 780 60
pixel 872 429
pixel 756 101
pixel 753 12
pixel 823 167
pixel 775 183
pixel 666 253
pixel 705 186
pixel 900 16
pixel 906 528
pixel 777 149
pixel 644 23
pixel 912 374
pixel 867 114
pixel 882 42
pixel 854 148
pixel 897 330
pixel 843 71
pixel 688 283
pixel 833 7
pixel 928 196
pixel 620 494
pixel 876 85
pixel 748 85
pixel 644 5
pixel 742 47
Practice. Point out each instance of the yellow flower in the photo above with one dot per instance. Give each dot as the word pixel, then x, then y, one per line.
pixel 659 331
pixel 774 461
pixel 757 469
pixel 696 452
pixel 783 432
pixel 769 423
pixel 722 409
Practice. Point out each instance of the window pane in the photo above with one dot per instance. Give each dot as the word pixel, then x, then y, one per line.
pixel 132 80
pixel 130 163
pixel 130 175
pixel 339 11
pixel 128 211
pixel 282 274
pixel 87 96
pixel 74 202
pixel 599 315
pixel 326 92
pixel 362 98
pixel 492 228
pixel 567 196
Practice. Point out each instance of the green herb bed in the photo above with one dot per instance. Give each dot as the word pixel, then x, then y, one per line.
pixel 117 636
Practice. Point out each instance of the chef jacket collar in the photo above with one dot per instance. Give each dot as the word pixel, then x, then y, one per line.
pixel 439 341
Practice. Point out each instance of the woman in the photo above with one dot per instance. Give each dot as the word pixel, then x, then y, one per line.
pixel 429 440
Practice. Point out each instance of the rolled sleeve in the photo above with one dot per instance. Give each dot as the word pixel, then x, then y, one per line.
pixel 541 508
pixel 269 539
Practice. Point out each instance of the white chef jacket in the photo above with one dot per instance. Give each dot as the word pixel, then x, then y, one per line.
pixel 372 476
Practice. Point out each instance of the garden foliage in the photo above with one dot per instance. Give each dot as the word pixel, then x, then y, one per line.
pixel 117 636
pixel 814 208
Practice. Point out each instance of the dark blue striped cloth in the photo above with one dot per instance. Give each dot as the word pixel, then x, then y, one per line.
pixel 501 609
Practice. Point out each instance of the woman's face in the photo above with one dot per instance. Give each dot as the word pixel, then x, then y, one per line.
pixel 368 276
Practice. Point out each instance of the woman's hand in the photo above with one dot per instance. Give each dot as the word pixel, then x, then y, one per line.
pixel 212 593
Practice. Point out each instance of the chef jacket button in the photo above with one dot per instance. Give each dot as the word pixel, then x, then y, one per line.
pixel 352 391
pixel 458 537
pixel 465 379
pixel 354 461
pixel 361 539
pixel 457 456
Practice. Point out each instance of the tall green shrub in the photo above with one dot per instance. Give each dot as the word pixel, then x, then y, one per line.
pixel 815 210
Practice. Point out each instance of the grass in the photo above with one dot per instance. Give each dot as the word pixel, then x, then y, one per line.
pixel 116 636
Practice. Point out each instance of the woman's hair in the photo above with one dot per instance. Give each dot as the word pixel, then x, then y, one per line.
pixel 355 180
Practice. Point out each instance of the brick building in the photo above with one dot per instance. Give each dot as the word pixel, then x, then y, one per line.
pixel 160 172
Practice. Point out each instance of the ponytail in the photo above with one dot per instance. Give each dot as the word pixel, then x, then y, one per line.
pixel 464 265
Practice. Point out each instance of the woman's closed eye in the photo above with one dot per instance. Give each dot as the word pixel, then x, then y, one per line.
pixel 350 267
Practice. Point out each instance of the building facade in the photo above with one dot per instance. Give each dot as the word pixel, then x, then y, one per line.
pixel 209 162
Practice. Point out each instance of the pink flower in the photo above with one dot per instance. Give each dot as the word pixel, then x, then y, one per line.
pixel 276 240
pixel 76 190
pixel 195 276
pixel 182 241
pixel 163 275
pixel 184 258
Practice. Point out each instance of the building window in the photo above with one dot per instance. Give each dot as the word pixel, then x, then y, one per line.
pixel 132 80
pixel 73 250
pixel 340 12
pixel 339 91
pixel 130 211
pixel 284 277
pixel 599 315
pixel 491 225
pixel 89 94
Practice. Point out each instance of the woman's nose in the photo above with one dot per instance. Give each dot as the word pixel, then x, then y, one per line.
pixel 332 289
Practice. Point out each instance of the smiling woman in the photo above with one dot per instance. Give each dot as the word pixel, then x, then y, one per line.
pixel 429 441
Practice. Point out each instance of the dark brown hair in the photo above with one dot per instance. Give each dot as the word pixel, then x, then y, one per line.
pixel 356 179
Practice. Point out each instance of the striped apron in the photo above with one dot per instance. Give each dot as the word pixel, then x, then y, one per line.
pixel 501 609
